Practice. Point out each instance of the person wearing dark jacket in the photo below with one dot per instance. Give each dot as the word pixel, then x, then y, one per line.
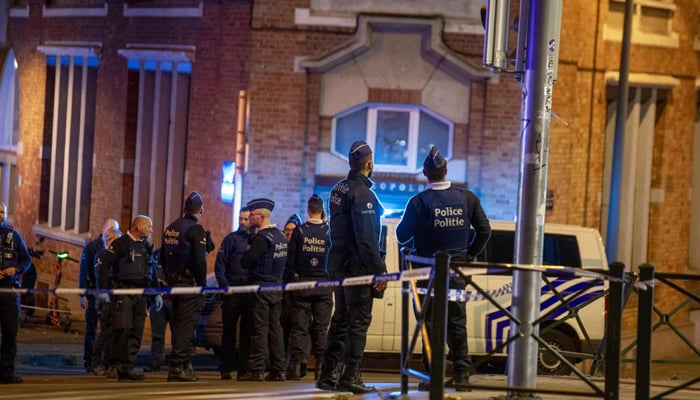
pixel 104 365
pixel 184 261
pixel 234 310
pixel 310 309
pixel 87 279
pixel 130 259
pixel 265 260
pixel 355 227
pixel 14 259
pixel 439 219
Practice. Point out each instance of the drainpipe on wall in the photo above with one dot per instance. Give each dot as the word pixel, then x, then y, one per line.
pixel 241 154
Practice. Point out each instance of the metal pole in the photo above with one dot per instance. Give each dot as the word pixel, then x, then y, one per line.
pixel 405 351
pixel 614 332
pixel 439 329
pixel 535 123
pixel 644 317
pixel 613 223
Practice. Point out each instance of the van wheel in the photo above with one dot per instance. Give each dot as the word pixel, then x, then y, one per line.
pixel 548 363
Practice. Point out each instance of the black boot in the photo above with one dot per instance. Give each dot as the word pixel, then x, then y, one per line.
pixel 461 381
pixel 293 371
pixel 328 379
pixel 351 380
pixel 317 368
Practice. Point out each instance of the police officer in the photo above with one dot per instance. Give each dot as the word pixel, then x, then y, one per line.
pixel 439 218
pixel 311 309
pixel 15 259
pixel 265 261
pixel 183 258
pixel 355 214
pixel 101 357
pixel 129 259
pixel 88 280
pixel 159 322
pixel 234 310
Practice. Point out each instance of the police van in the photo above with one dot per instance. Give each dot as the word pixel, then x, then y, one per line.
pixel 487 326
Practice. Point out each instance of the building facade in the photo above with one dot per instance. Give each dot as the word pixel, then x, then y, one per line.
pixel 122 107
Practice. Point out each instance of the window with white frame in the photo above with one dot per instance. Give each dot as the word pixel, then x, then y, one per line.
pixel 71 85
pixel 627 191
pixel 651 22
pixel 161 106
pixel 9 130
pixel 401 135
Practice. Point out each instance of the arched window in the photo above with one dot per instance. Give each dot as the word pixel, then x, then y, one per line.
pixel 401 135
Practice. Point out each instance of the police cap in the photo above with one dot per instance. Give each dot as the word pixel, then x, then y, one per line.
pixel 359 150
pixel 257 204
pixel 193 202
pixel 434 159
pixel 315 200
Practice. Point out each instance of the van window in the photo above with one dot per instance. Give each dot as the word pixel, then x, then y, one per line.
pixel 558 249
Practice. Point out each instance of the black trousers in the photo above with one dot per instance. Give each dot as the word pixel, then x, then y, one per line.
pixel 159 322
pixel 456 335
pixel 100 354
pixel 266 340
pixel 9 324
pixel 91 319
pixel 128 320
pixel 347 334
pixel 311 315
pixel 235 315
pixel 186 310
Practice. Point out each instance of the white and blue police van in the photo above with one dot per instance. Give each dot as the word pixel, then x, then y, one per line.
pixel 487 326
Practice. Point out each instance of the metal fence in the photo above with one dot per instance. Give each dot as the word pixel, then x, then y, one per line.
pixel 608 357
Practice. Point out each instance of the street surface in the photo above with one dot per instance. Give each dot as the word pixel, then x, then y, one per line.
pixel 50 361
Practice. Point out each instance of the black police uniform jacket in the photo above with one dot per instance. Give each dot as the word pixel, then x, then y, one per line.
pixel 266 257
pixel 184 253
pixel 440 218
pixel 227 268
pixel 87 278
pixel 306 258
pixel 14 255
pixel 355 219
pixel 130 261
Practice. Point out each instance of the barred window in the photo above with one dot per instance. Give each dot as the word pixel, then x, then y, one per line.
pixel 71 83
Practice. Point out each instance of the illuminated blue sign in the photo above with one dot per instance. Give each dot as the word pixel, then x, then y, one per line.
pixel 228 186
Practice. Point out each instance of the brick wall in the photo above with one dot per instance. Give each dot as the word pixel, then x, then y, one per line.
pixel 237 50
pixel 220 71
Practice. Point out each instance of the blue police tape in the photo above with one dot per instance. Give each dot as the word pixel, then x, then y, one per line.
pixel 463 296
pixel 408 275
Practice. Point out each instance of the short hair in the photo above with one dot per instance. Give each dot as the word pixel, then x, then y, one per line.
pixel 315 204
pixel 264 211
pixel 359 165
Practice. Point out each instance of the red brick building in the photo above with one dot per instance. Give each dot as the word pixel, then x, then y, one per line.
pixel 123 107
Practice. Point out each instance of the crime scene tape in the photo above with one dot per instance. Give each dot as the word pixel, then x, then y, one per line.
pixel 644 285
pixel 472 295
pixel 414 274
